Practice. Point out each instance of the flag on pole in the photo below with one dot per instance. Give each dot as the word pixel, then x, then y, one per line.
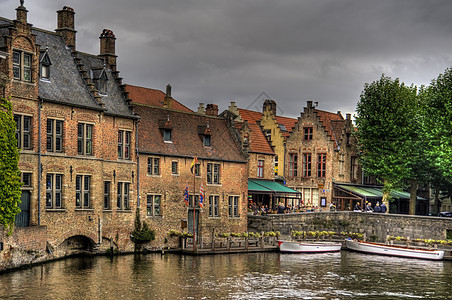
pixel 201 196
pixel 186 196
pixel 193 165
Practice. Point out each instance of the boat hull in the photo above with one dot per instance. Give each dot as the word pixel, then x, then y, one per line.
pixel 380 249
pixel 299 247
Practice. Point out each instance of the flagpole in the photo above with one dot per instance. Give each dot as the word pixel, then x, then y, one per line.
pixel 194 212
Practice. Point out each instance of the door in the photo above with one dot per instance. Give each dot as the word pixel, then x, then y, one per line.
pixel 23 218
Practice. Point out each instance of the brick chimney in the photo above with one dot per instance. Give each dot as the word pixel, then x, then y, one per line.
pixel 21 13
pixel 66 18
pixel 168 101
pixel 212 110
pixel 107 48
pixel 270 104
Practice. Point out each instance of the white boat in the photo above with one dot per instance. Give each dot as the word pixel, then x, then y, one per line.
pixel 306 247
pixel 394 250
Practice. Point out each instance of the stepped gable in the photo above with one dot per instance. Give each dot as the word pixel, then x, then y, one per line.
pixel 113 100
pixel 186 140
pixel 258 141
pixel 332 122
pixel 152 97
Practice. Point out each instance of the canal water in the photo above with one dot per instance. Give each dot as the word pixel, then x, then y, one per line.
pixel 344 275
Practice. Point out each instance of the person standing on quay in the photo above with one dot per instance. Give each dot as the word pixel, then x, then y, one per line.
pixel 383 208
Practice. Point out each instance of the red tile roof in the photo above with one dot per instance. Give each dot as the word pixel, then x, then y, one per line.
pixel 328 119
pixel 186 140
pixel 258 141
pixel 152 97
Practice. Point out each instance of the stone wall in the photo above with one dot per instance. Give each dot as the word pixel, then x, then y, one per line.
pixel 375 226
pixel 25 246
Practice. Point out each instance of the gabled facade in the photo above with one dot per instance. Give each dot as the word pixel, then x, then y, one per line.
pixel 76 134
pixel 168 141
pixel 321 150
pixel 262 136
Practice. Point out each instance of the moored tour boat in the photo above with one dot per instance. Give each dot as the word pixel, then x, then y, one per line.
pixel 394 250
pixel 307 247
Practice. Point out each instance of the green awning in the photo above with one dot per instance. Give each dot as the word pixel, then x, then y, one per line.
pixel 267 186
pixel 372 191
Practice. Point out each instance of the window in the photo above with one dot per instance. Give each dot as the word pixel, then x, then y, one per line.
pixel 197 169
pixel 123 195
pixel 233 206
pixel 276 164
pixel 213 206
pixel 26 179
pixel 206 140
pixel 124 144
pixel 190 199
pixel 321 165
pixel 260 168
pixel 54 135
pixel 44 64
pixel 174 167
pixel 22 66
pixel 23 134
pixel 107 195
pixel 153 205
pixel 293 164
pixel 153 166
pixel 85 139
pixel 82 184
pixel 307 160
pixel 213 173
pixel 54 183
pixel 354 168
pixel 167 135
pixel 307 133
pixel 101 83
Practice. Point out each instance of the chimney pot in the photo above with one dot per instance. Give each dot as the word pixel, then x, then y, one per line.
pixel 107 48
pixel 168 90
pixel 201 109
pixel 212 110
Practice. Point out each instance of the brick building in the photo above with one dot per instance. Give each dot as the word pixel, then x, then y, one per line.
pixel 169 137
pixel 262 138
pixel 320 151
pixel 76 134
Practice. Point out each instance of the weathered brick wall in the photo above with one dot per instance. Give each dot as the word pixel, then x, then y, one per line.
pixel 233 181
pixel 26 245
pixel 373 225
pixel 269 171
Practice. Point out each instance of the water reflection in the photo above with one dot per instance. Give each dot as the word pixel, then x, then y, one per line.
pixel 240 276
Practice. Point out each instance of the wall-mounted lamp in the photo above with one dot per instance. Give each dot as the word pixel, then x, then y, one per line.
pixel 133 175
pixel 114 175
pixel 71 170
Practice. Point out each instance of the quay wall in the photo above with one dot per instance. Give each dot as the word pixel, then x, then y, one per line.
pixel 27 245
pixel 375 226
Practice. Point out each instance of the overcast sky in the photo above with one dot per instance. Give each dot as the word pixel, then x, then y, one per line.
pixel 292 51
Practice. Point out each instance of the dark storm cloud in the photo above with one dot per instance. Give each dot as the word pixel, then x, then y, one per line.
pixel 216 51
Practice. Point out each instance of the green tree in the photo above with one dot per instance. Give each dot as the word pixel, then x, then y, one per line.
pixel 386 132
pixel 437 100
pixel 10 182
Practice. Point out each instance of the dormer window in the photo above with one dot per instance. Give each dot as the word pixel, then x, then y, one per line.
pixel 102 83
pixel 166 128
pixel 206 134
pixel 206 140
pixel 167 135
pixel 44 65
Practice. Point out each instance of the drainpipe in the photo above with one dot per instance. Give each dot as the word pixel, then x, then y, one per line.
pixel 39 162
pixel 138 164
